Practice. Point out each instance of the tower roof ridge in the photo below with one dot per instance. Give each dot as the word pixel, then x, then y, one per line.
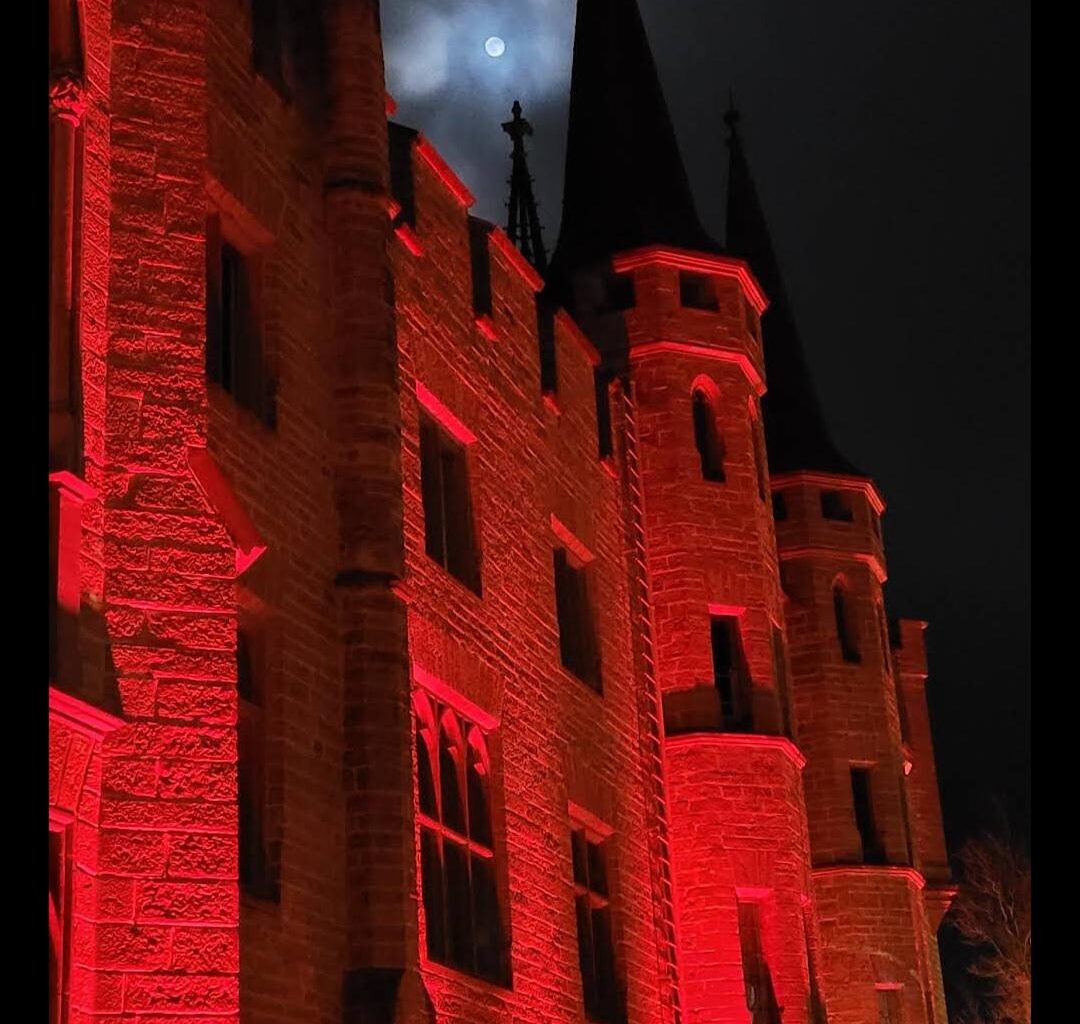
pixel 797 437
pixel 625 183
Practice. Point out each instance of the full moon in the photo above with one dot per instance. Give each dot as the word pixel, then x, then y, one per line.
pixel 494 47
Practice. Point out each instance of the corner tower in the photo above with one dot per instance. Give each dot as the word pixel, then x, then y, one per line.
pixel 871 867
pixel 677 322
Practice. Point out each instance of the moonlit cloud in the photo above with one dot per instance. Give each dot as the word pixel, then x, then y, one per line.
pixel 447 85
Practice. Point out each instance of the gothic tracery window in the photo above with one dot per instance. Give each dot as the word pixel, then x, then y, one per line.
pixel 463 925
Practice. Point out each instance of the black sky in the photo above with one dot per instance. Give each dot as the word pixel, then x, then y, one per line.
pixel 890 142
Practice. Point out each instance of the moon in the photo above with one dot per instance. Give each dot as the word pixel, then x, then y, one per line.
pixel 494 46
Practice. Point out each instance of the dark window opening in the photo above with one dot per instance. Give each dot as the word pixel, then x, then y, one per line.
pixel 905 819
pixel 596 950
pixel 836 505
pixel 845 626
pixel 66 159
pixel 889 1006
pixel 895 636
pixel 545 330
pixel 901 709
pixel 402 179
pixel 605 438
pixel 783 687
pixel 873 852
pixel 480 261
pixel 697 291
pixel 757 978
pixel 883 638
pixel 267 43
pixel 448 522
pixel 779 506
pixel 577 635
pixel 730 674
pixel 710 445
pixel 234 354
pixel 59 920
pixel 258 876
pixel 816 1014
pixel 463 923
pixel 760 467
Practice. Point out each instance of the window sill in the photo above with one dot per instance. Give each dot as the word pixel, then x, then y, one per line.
pixel 570 674
pixel 498 989
pixel 456 581
pixel 260 899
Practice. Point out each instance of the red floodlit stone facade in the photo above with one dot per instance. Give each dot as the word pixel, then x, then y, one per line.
pixel 422 648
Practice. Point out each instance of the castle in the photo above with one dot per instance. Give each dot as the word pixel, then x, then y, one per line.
pixel 437 634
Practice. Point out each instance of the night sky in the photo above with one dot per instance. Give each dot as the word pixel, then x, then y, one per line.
pixel 890 142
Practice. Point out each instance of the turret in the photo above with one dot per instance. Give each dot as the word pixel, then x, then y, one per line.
pixel 868 886
pixel 677 322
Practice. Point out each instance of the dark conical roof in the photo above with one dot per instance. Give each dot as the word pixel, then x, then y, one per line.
pixel 625 185
pixel 796 435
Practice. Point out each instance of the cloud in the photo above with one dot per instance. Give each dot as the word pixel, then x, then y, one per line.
pixel 448 87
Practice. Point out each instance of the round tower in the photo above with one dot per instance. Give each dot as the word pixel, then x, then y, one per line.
pixel 877 923
pixel 678 321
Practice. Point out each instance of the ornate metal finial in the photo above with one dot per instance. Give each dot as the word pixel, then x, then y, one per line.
pixel 67 96
pixel 523 221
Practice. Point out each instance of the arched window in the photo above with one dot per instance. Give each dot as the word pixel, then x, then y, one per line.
pixel 710 445
pixel 846 633
pixel 463 924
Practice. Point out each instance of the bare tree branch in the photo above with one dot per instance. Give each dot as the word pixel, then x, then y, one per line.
pixel 992 914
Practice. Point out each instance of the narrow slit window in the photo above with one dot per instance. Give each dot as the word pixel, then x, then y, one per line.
pixel 59 921
pixel 545 332
pixel 783 687
pixel 480 262
pixel 707 438
pixel 605 438
pixel 883 639
pixel 234 349
pixel 862 797
pixel 257 874
pixel 459 889
pixel 267 43
pixel 846 633
pixel 730 674
pixel 889 1006
pixel 449 537
pixel 779 506
pixel 757 978
pixel 760 468
pixel 596 951
pixel 577 635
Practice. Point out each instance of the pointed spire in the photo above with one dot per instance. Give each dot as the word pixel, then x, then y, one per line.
pixel 625 183
pixel 796 434
pixel 523 221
